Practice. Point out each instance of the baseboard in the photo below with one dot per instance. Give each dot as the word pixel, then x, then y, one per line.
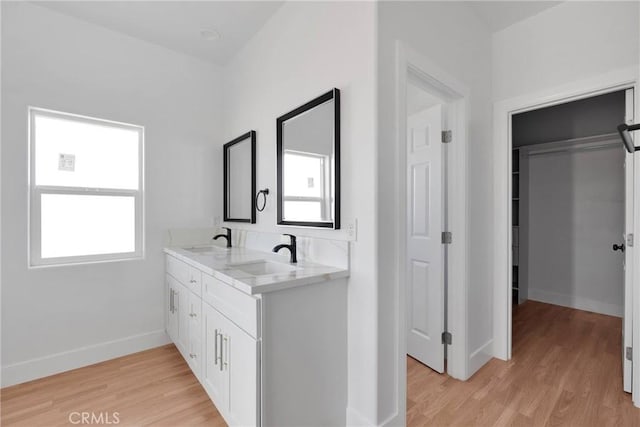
pixel 394 420
pixel 479 357
pixel 60 362
pixel 355 418
pixel 575 302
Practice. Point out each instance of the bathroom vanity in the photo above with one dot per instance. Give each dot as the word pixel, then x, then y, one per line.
pixel 266 339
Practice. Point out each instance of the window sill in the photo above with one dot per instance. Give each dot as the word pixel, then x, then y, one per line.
pixel 72 263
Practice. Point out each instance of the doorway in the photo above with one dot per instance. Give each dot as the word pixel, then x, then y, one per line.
pixel 435 99
pixel 425 222
pixel 568 213
pixel 504 112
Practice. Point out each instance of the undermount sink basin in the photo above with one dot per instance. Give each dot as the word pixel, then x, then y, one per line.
pixel 206 250
pixel 263 267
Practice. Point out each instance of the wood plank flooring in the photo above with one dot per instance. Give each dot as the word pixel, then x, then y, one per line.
pixel 566 370
pixel 153 387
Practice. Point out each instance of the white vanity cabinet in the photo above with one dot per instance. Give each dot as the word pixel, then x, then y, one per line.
pixel 230 376
pixel 173 289
pixel 184 322
pixel 195 349
pixel 276 357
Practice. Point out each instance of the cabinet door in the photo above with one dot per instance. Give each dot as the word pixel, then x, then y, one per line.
pixel 215 378
pixel 171 309
pixel 241 359
pixel 182 304
pixel 195 334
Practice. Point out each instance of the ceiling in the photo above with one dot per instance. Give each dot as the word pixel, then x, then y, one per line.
pixel 498 15
pixel 177 25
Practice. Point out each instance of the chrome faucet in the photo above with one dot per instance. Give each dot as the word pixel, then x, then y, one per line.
pixel 293 249
pixel 226 236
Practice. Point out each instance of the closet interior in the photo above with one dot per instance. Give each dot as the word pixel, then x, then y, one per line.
pixel 568 204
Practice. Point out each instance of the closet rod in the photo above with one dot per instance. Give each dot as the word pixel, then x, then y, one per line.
pixel 572 145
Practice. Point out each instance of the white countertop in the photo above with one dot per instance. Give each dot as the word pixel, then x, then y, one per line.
pixel 217 264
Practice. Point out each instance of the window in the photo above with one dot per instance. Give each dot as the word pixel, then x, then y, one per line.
pixel 307 194
pixel 86 190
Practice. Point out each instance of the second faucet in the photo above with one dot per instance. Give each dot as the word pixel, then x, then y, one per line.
pixel 291 246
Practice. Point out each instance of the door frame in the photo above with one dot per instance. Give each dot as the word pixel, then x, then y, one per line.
pixel 620 79
pixel 456 97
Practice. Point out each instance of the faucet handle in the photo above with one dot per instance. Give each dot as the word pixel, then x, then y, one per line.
pixel 293 238
pixel 226 228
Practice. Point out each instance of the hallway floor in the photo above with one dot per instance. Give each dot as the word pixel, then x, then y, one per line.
pixel 566 370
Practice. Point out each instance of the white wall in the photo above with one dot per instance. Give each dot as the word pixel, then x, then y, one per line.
pixel 304 50
pixel 451 37
pixel 572 41
pixel 576 212
pixel 70 316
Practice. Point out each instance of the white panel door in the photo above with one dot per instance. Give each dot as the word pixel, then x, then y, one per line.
pixel 425 255
pixel 172 311
pixel 627 321
pixel 240 359
pixel 215 377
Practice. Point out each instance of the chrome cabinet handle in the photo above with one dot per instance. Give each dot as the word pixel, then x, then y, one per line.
pixel 193 281
pixel 192 355
pixel 193 315
pixel 171 300
pixel 215 360
pixel 225 345
pixel 221 350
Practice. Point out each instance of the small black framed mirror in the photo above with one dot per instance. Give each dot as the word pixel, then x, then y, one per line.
pixel 239 182
pixel 308 164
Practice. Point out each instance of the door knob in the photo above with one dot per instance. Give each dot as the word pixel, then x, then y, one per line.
pixel 618 247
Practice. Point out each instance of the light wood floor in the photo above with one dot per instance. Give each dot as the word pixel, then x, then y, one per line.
pixel 565 371
pixel 154 387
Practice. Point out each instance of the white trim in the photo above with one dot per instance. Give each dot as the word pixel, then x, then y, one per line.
pixel 355 418
pixel 456 96
pixel 36 191
pixel 609 82
pixel 573 301
pixel 40 367
pixel 480 356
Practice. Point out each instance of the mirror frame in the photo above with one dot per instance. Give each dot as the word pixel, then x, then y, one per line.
pixel 333 94
pixel 225 181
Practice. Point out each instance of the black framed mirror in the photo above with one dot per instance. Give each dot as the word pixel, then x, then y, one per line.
pixel 239 182
pixel 308 164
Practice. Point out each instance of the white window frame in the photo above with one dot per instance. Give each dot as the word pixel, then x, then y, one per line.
pixel 325 182
pixel 36 192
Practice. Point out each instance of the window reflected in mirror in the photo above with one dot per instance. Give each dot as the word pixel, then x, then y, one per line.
pixel 308 188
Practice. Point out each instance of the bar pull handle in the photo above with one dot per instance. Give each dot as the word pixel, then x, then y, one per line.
pixel 215 360
pixel 225 348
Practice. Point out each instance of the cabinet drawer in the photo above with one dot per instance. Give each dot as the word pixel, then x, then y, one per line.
pixel 189 276
pixel 241 308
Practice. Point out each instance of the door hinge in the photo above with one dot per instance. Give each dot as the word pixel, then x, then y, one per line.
pixel 630 239
pixel 446 338
pixel 628 353
pixel 446 237
pixel 447 136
